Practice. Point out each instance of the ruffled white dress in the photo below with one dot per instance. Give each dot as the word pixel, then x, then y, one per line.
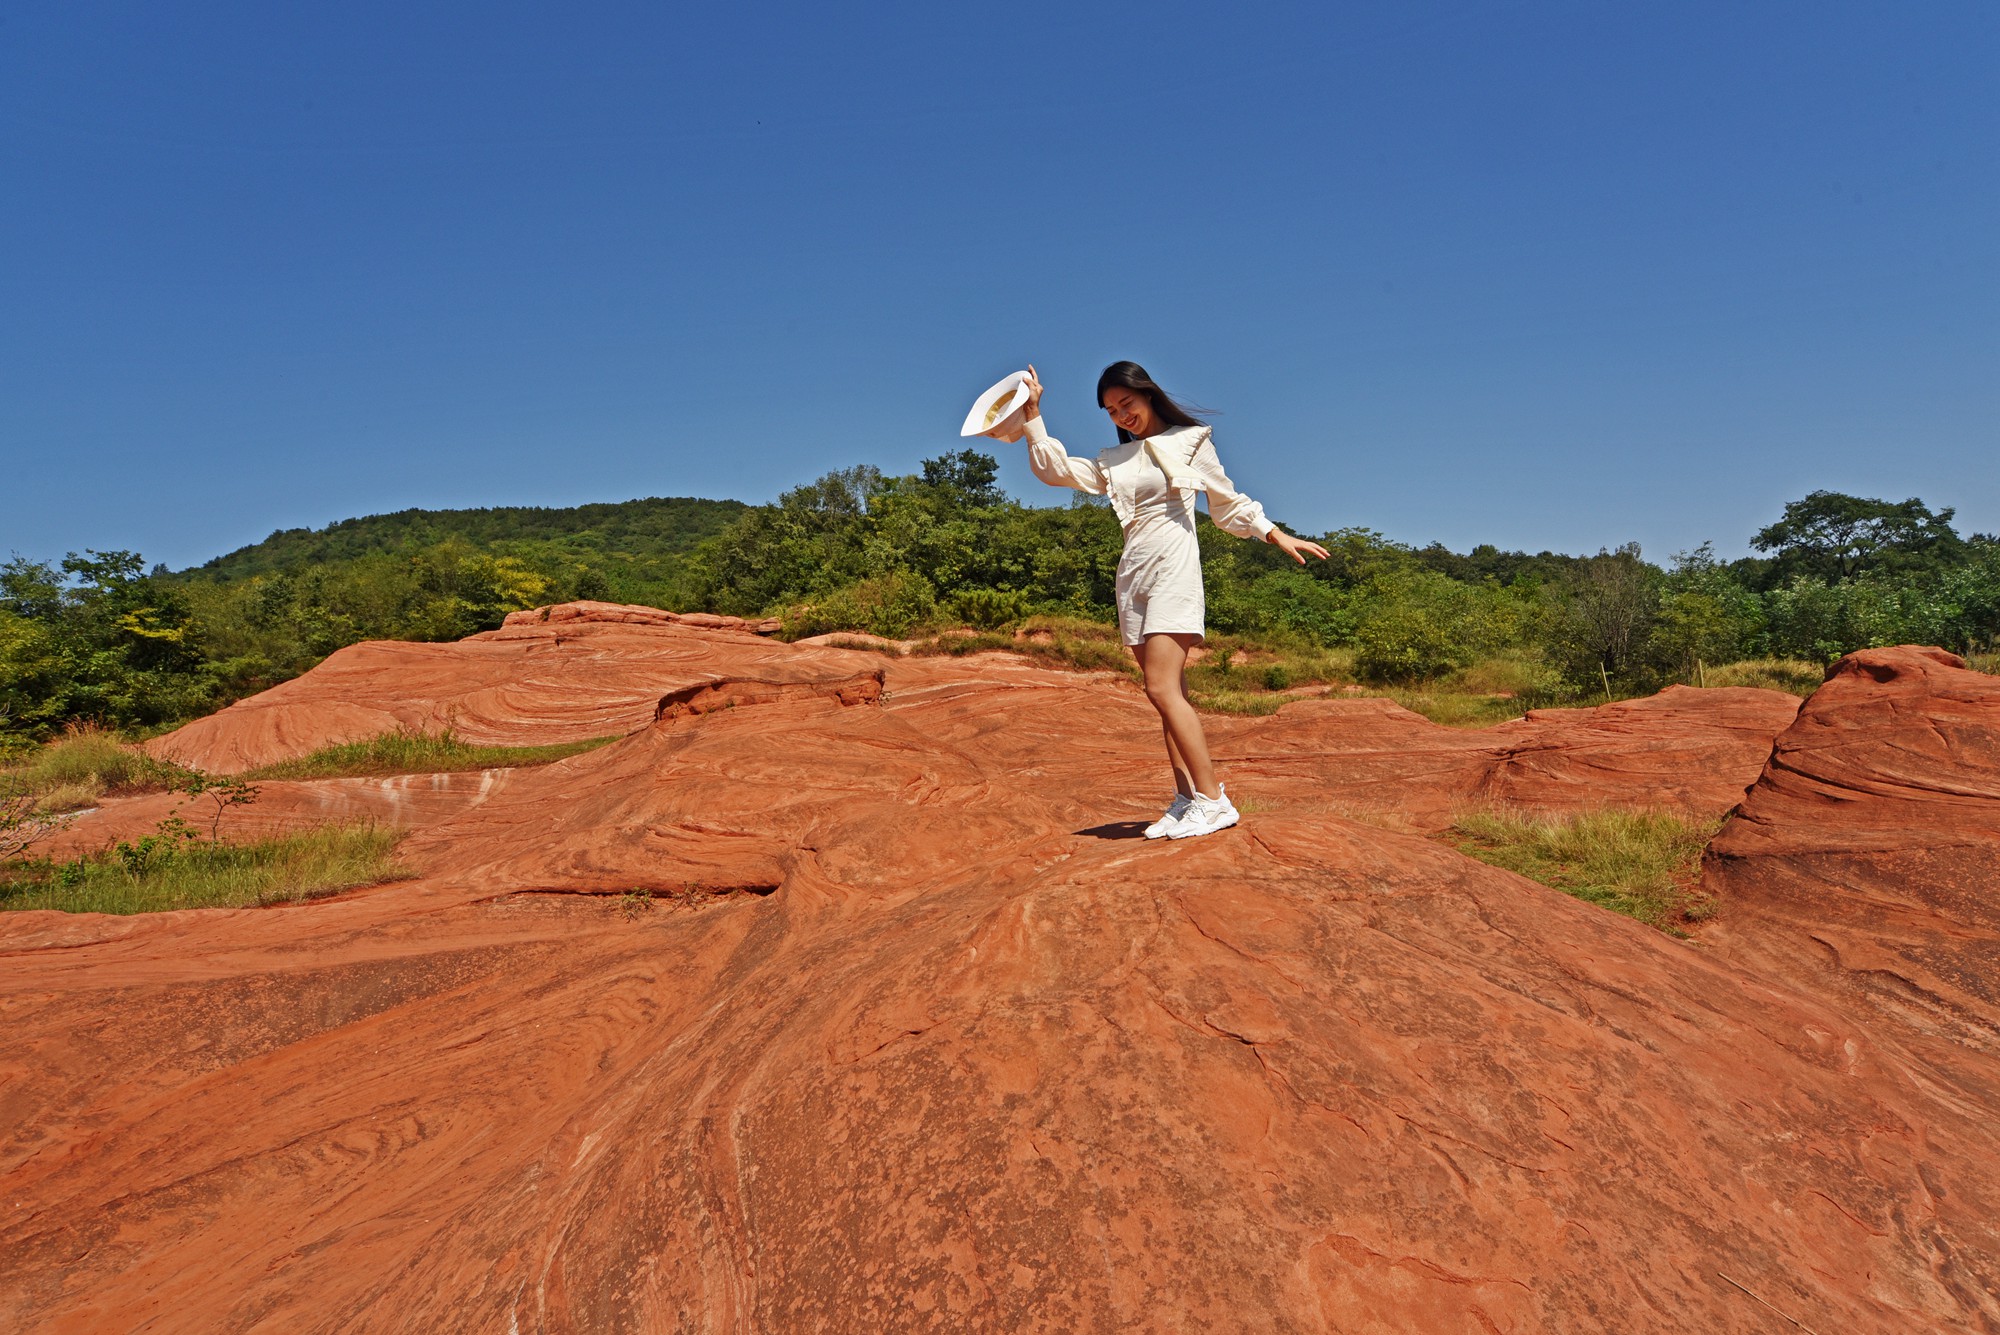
pixel 1152 484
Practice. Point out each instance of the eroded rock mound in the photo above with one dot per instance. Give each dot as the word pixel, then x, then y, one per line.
pixel 555 674
pixel 918 1037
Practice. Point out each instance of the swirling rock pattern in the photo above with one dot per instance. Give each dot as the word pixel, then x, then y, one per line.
pixel 918 1038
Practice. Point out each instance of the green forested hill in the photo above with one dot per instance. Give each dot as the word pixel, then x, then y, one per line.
pixel 94 637
pixel 651 527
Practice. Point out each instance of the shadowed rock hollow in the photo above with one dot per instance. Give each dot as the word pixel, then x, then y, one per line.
pixel 917 1037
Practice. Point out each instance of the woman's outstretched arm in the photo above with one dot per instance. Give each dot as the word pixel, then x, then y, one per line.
pixel 1046 455
pixel 1233 512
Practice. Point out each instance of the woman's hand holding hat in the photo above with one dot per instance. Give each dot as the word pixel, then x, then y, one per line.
pixel 1034 384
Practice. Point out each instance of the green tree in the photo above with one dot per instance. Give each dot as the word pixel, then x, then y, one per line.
pixel 1419 624
pixel 1705 616
pixel 967 477
pixel 1602 614
pixel 97 639
pixel 1833 536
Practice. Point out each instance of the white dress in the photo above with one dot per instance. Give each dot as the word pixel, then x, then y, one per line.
pixel 1152 485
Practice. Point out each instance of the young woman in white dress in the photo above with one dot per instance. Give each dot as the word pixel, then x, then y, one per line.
pixel 1163 457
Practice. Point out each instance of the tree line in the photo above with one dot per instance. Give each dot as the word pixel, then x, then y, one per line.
pixel 96 636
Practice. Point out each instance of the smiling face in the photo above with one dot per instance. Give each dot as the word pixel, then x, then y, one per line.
pixel 1131 411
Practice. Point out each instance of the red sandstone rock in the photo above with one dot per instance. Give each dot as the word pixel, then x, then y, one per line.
pixel 921 1040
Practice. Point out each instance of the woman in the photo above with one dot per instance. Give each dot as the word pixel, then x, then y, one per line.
pixel 1163 457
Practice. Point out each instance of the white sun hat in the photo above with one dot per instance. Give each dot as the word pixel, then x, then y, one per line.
pixel 1001 412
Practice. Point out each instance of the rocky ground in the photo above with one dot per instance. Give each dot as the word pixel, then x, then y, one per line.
pixel 918 1035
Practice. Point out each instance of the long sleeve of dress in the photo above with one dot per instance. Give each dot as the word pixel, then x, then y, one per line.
pixel 1232 511
pixel 1057 466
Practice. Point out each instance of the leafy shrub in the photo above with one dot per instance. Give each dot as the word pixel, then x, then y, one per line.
pixel 889 605
pixel 1523 676
pixel 990 609
pixel 1419 625
pixel 1602 615
pixel 1812 619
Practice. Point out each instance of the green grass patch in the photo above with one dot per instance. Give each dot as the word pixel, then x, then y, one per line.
pixel 162 872
pixel 1639 863
pixel 1987 663
pixel 411 752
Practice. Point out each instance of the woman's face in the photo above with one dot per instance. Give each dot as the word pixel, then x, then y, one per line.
pixel 1131 410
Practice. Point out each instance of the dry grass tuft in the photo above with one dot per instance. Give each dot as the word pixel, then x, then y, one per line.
pixel 1455 710
pixel 85 764
pixel 1062 642
pixel 888 649
pixel 1793 675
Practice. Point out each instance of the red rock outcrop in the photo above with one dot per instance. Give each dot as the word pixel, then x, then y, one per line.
pixel 1864 865
pixel 919 1038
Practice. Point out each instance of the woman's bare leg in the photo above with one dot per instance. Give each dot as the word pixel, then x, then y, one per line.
pixel 1183 781
pixel 1163 659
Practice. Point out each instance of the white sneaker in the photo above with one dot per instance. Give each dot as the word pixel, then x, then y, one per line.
pixel 1175 810
pixel 1205 815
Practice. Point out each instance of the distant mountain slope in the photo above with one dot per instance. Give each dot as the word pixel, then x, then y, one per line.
pixel 650 527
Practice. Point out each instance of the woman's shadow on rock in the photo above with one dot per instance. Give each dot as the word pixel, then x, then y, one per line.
pixel 1118 829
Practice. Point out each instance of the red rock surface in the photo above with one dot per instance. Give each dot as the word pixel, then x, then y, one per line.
pixel 918 1038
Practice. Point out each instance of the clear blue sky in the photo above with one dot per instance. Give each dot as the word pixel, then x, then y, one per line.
pixel 1551 275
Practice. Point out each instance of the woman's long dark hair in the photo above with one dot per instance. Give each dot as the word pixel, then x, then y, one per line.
pixel 1132 376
